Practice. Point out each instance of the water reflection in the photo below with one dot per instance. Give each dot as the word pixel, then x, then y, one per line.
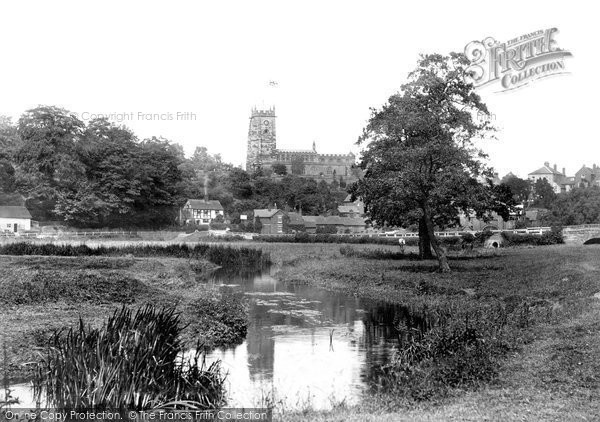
pixel 305 346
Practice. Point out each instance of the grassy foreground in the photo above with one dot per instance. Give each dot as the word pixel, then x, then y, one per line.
pixel 551 373
pixel 41 294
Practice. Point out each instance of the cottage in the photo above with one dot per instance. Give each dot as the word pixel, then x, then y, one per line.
pixel 14 219
pixel 200 211
pixel 272 220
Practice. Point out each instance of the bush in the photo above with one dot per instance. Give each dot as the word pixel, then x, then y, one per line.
pixel 552 237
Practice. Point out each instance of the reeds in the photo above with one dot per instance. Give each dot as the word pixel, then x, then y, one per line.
pixel 133 362
pixel 248 258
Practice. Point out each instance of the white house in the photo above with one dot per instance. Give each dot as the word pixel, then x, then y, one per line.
pixel 14 219
pixel 200 211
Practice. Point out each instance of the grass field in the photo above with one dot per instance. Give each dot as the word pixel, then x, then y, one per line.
pixel 552 373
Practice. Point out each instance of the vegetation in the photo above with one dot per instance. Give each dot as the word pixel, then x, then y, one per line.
pixel 508 333
pixel 41 294
pixel 100 175
pixel 579 206
pixel 421 164
pixel 133 362
pixel 219 255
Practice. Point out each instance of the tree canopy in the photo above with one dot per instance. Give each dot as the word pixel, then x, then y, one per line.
pixel 420 159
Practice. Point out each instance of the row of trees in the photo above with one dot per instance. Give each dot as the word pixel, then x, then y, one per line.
pixel 97 174
pixel 94 174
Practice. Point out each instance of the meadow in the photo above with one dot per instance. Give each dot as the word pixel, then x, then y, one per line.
pixel 517 330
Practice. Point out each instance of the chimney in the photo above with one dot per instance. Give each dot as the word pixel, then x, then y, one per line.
pixel 546 164
pixel 554 167
pixel 564 172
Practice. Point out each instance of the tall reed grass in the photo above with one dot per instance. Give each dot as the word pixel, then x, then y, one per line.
pixel 133 362
pixel 220 255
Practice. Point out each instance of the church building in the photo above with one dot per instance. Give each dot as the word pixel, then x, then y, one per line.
pixel 263 153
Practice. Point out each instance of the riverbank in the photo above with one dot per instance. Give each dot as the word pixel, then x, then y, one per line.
pixel 551 373
pixel 41 294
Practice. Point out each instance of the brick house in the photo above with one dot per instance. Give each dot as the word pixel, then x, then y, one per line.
pixel 14 219
pixel 587 177
pixel 200 211
pixel 273 220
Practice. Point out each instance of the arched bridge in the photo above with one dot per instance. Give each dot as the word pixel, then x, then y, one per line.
pixel 578 235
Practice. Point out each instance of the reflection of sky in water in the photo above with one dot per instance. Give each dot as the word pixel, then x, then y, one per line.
pixel 304 346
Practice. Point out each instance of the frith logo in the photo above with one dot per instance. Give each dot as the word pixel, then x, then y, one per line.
pixel 517 62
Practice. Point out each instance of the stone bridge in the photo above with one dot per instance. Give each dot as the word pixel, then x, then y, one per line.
pixel 578 235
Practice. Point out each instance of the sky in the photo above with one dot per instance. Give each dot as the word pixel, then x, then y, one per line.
pixel 211 62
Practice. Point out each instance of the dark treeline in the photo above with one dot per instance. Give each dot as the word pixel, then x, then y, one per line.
pixel 98 174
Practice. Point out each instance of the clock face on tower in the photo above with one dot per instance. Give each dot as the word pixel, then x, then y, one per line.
pixel 266 123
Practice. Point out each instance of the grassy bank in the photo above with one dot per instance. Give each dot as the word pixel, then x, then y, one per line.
pixel 41 294
pixel 535 310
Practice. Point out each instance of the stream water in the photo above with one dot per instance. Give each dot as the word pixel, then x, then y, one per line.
pixel 305 346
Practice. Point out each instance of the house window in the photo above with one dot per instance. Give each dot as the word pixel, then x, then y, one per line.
pixel 9 225
pixel 206 221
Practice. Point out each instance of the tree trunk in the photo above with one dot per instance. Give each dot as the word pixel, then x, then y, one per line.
pixel 441 255
pixel 424 242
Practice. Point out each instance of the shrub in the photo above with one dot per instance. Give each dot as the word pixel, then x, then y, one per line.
pixel 552 237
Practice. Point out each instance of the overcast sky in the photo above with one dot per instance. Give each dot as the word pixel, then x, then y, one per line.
pixel 332 62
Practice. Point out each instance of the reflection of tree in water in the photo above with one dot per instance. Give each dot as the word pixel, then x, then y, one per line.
pixel 386 323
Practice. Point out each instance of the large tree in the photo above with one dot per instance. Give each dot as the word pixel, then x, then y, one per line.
pixel 544 195
pixel 520 188
pixel 420 159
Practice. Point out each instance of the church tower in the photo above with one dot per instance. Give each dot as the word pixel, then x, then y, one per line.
pixel 261 137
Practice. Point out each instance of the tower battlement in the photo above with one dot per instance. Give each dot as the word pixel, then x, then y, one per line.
pixel 256 112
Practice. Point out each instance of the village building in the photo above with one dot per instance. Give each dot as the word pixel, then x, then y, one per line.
pixel 296 222
pixel 200 211
pixel 14 219
pixel 262 152
pixel 587 177
pixel 352 209
pixel 272 220
pixel 559 181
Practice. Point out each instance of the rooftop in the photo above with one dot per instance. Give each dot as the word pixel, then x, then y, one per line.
pixel 14 212
pixel 203 204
